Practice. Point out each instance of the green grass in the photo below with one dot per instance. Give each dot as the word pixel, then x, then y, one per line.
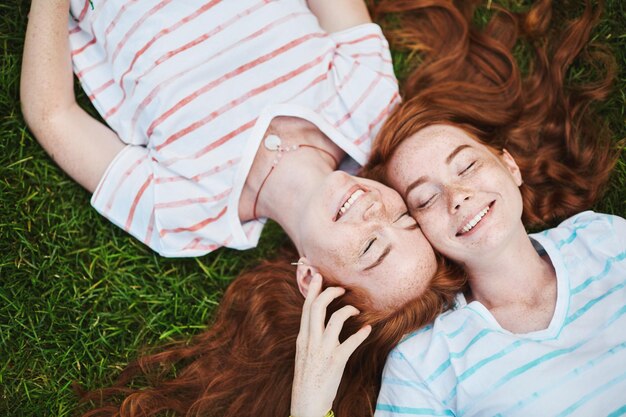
pixel 79 298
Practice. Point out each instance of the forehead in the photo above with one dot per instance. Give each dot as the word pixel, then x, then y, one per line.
pixel 435 138
pixel 428 146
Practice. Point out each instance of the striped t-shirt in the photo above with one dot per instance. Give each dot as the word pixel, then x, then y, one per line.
pixel 465 364
pixel 191 86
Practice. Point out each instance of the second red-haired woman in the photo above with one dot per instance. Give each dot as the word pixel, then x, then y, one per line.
pixel 476 152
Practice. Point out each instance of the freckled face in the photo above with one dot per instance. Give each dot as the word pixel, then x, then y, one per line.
pixel 359 232
pixel 465 197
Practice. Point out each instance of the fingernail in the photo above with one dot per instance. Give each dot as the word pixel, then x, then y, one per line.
pixel 317 277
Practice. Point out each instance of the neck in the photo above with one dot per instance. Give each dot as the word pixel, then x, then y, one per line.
pixel 283 195
pixel 515 274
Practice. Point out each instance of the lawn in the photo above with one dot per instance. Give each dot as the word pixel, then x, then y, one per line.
pixel 79 298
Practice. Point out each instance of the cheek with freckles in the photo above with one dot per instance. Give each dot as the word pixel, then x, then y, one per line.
pixel 334 260
pixel 433 227
pixel 330 260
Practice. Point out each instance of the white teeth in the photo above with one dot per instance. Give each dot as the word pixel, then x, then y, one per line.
pixel 470 225
pixel 351 200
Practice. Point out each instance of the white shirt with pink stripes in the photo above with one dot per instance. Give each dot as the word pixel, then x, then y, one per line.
pixel 191 87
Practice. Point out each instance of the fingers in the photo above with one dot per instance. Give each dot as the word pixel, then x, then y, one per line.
pixel 314 289
pixel 318 310
pixel 312 327
pixel 348 347
pixel 336 322
pixel 320 359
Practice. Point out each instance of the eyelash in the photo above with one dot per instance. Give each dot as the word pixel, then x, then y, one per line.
pixel 406 213
pixel 467 168
pixel 369 245
pixel 423 205
pixel 371 242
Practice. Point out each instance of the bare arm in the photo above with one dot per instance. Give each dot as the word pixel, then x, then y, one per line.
pixel 320 358
pixel 82 146
pixel 336 15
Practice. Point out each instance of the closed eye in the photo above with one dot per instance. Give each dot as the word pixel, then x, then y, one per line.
pixel 467 168
pixel 406 213
pixel 407 222
pixel 369 245
pixel 424 204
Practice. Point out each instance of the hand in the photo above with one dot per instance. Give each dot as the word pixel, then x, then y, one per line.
pixel 320 358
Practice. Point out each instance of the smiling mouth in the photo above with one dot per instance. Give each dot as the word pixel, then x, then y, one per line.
pixel 474 221
pixel 350 199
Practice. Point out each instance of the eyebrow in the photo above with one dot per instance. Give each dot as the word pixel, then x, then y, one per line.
pixel 380 259
pixel 455 153
pixel 423 178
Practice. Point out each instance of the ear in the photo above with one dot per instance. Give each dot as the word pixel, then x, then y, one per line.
pixel 511 165
pixel 304 273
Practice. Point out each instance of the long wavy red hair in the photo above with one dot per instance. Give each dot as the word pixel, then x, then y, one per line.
pixel 243 364
pixel 469 78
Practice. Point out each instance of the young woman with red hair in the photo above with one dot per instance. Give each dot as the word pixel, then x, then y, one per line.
pixel 220 114
pixel 477 152
pixel 212 108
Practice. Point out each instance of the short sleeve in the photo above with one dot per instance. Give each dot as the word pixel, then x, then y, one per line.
pixel 403 391
pixel 125 195
pixel 367 45
pixel 619 226
pixel 601 232
pixel 173 215
pixel 360 89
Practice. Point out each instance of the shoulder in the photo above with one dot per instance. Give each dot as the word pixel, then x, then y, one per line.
pixel 591 217
pixel 435 340
pixel 588 228
pixel 587 245
pixel 419 371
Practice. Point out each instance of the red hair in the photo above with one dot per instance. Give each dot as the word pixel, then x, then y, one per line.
pixel 470 79
pixel 243 364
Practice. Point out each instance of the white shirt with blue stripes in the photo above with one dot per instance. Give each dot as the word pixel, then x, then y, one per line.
pixel 466 364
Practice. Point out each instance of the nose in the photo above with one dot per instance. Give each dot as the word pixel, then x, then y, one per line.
pixel 457 197
pixel 375 210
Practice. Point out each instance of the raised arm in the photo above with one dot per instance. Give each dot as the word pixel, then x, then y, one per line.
pixel 336 15
pixel 82 146
pixel 320 358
